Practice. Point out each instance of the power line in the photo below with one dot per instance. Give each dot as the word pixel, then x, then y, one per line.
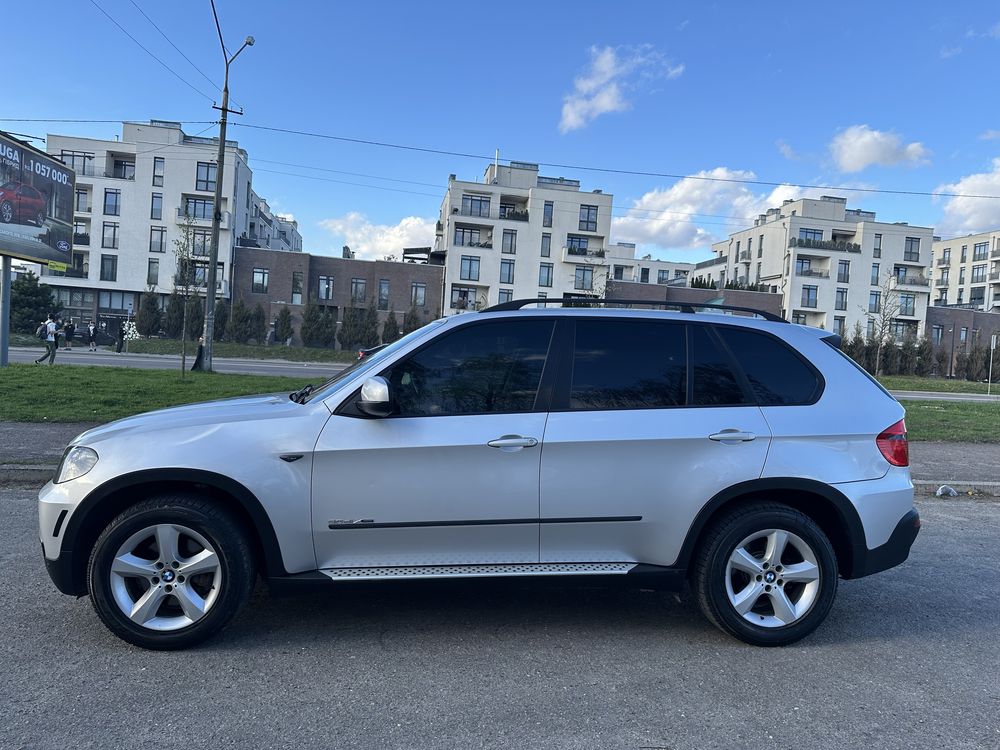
pixel 172 72
pixel 99 122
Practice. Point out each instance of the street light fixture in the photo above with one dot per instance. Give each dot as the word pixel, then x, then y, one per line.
pixel 220 161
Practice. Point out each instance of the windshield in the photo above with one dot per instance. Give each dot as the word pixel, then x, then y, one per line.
pixel 371 361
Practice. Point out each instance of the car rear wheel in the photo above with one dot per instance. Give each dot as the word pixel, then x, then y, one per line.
pixel 766 574
pixel 170 572
pixel 40 218
pixel 6 212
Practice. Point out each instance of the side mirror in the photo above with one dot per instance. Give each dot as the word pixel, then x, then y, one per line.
pixel 375 400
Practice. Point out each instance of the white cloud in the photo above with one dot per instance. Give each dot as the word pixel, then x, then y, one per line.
pixel 994 31
pixel 610 75
pixel 787 151
pixel 972 215
pixel 947 52
pixel 860 146
pixel 692 213
pixel 989 135
pixel 374 241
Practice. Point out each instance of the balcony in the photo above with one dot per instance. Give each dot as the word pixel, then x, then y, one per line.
pixel 514 214
pixel 594 255
pixel 487 244
pixel 247 242
pixel 812 273
pixel 81 239
pixel 912 281
pixel 995 253
pixel 944 261
pixel 941 283
pixel 834 245
pixel 202 221
pixel 995 276
pixel 83 209
pixel 712 262
pixel 745 256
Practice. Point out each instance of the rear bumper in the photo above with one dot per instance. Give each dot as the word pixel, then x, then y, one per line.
pixel 890 554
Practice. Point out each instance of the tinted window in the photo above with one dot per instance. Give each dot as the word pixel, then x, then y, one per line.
pixel 622 364
pixel 479 369
pixel 776 374
pixel 715 383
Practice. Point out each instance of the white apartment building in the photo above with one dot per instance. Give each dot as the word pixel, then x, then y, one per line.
pixel 134 197
pixel 269 230
pixel 831 264
pixel 967 271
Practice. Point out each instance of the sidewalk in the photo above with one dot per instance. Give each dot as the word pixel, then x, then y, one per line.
pixel 29 451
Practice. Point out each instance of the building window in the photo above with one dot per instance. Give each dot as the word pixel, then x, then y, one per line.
pixel 875 302
pixel 965 254
pixel 946 255
pixel 760 246
pixel 978 272
pixel 758 273
pixel 584 278
pixel 945 273
pixel 907 304
pixel 577 245
pixel 803 266
pixel 205 177
pixel 749 246
pixel 814 235
pixel 467 237
pixel 877 250
pixel 960 293
pixel 157 239
pixel 844 272
pixel 122 169
pixel 260 278
pixel 506 295
pixel 475 205
pixel 156 207
pixel 81 162
pixel 509 241
pixel 112 202
pixel 911 252
pixel 109 268
pixel 662 276
pixel 153 272
pixel 979 250
pixel 619 273
pixel 325 288
pixel 547 214
pixel 977 295
pixel 588 218
pixel 158 165
pixel 359 289
pixel 839 325
pixel 799 318
pixel 110 237
pixel 383 294
pixel 546 244
pixel 463 297
pixel 841 302
pixel 963 335
pixel 297 287
pixel 545 274
pixel 961 275
pixel 82 205
pixel 198 208
pixel 871 328
pixel 644 275
pixel 470 268
pixel 809 296
pixel 201 242
pixel 937 333
pixel 506 272
pixel 875 272
pixel 418 294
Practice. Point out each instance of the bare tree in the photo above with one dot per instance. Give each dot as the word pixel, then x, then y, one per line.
pixel 184 278
pixel 882 316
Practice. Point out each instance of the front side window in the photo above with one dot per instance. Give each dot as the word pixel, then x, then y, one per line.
pixel 260 279
pixel 418 293
pixel 588 218
pixel 628 365
pixel 662 276
pixel 979 250
pixel 877 250
pixel 463 297
pixel 912 250
pixel 577 245
pixel 777 375
pixel 506 295
pixel 198 208
pixel 467 237
pixel 112 202
pixel 205 178
pixel 875 302
pixel 841 302
pixel 907 304
pixel 978 274
pixel 469 270
pixel 875 273
pixel 487 368
pixel 844 272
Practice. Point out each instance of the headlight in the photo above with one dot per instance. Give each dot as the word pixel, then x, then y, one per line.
pixel 76 462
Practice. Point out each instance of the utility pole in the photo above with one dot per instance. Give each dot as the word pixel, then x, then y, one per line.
pixel 220 171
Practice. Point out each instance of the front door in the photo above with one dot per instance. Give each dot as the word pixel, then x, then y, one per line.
pixel 452 477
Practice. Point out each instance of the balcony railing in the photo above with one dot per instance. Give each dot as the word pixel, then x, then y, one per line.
pixel 745 256
pixel 813 273
pixel 514 214
pixel 941 283
pixel 712 262
pixel 912 281
pixel 944 261
pixel 183 216
pixel 83 209
pixel 842 247
pixel 81 239
pixel 995 253
pixel 586 255
pixel 247 242
pixel 488 245
pixel 116 175
pixel 995 276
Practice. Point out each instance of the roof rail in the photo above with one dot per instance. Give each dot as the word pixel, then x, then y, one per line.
pixel 686 307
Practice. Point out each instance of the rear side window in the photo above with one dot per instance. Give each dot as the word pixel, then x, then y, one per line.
pixel 714 382
pixel 484 368
pixel 620 364
pixel 777 375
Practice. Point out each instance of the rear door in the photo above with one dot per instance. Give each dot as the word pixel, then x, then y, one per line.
pixel 650 420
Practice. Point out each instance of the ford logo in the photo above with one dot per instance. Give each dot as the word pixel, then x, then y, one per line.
pixel 62 245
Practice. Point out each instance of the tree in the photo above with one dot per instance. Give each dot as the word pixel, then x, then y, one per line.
pixel 312 322
pixel 283 325
pixel 941 361
pixel 328 328
pixel 883 317
pixel 350 329
pixel 961 364
pixel 30 303
pixel 258 324
pixel 221 319
pixel 173 320
pixel 240 329
pixel 390 329
pixel 855 347
pixel 184 281
pixel 908 356
pixel 368 331
pixel 978 363
pixel 147 320
pixel 195 317
pixel 702 283
pixel 925 357
pixel 411 321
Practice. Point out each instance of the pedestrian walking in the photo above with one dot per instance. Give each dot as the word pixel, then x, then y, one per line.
pixel 92 336
pixel 197 357
pixel 50 340
pixel 69 331
pixel 121 337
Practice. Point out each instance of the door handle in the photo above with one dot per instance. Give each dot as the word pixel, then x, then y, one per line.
pixel 733 436
pixel 513 441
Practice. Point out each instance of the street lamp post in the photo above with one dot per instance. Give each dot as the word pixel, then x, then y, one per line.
pixel 213 257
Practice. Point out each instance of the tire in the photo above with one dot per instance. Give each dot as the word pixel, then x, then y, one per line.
pixel 6 212
pixel 175 600
pixel 747 590
pixel 40 219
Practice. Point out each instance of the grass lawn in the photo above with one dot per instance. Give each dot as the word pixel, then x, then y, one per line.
pixel 913 383
pixel 73 393
pixel 954 421
pixel 245 351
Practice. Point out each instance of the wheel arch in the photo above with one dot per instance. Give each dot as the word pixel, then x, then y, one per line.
pixel 825 505
pixel 114 496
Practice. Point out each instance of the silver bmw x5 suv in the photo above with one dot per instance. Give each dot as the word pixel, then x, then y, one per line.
pixel 745 458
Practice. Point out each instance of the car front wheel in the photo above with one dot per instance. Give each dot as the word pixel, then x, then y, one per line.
pixel 6 212
pixel 766 574
pixel 170 572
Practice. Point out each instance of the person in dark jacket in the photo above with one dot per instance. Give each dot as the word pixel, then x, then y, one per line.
pixel 121 337
pixel 69 331
pixel 197 357
pixel 92 336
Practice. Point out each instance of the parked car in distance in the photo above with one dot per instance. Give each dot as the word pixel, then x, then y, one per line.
pixel 21 203
pixel 746 459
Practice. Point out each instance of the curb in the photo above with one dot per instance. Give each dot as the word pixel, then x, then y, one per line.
pixel 26 473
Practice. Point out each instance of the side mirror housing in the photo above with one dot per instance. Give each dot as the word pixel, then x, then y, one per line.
pixel 375 398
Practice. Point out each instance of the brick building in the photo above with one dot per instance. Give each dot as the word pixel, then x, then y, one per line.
pixel 275 279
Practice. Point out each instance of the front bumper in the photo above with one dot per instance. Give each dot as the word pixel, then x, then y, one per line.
pixel 890 554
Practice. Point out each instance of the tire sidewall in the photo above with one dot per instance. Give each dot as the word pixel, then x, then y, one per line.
pixel 715 577
pixel 234 586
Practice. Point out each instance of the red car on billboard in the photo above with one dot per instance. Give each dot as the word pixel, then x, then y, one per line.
pixel 20 203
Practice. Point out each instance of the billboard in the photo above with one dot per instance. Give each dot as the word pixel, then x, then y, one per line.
pixel 36 205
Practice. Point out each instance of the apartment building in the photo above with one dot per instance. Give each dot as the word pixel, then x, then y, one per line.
pixel 269 230
pixel 831 264
pixel 136 196
pixel 625 268
pixel 966 271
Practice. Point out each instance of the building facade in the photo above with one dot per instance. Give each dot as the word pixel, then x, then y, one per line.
pixel 966 271
pixel 834 267
pixel 134 198
pixel 278 278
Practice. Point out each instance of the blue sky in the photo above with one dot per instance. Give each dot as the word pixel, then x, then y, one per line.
pixel 886 95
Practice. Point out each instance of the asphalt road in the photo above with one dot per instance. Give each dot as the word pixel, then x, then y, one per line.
pixel 907 659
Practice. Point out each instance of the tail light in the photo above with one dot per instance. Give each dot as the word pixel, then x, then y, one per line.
pixel 893 445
